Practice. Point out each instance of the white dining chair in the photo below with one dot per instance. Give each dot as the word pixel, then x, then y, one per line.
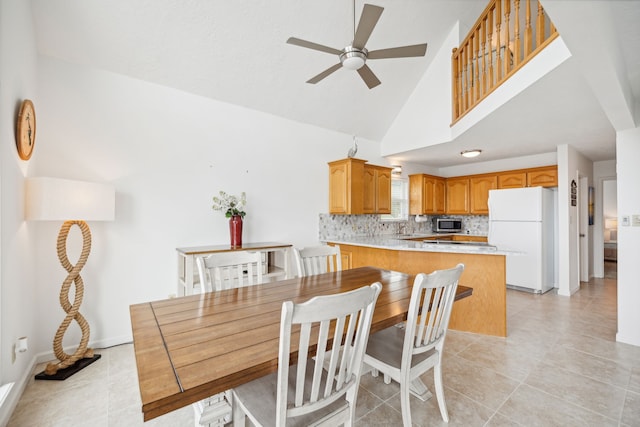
pixel 217 272
pixel 317 259
pixel 227 270
pixel 403 354
pixel 305 393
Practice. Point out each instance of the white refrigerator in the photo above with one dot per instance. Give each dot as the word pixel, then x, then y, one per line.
pixel 524 220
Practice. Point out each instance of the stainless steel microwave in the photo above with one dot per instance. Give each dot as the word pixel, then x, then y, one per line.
pixel 447 225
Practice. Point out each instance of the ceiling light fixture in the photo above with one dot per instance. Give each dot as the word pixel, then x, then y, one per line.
pixel 397 170
pixel 471 153
pixel 352 58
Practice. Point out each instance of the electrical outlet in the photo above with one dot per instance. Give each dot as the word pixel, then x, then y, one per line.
pixel 625 221
pixel 635 220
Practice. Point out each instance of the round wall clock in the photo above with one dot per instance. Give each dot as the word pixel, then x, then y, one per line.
pixel 26 130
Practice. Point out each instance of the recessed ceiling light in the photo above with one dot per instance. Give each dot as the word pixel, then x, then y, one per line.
pixel 471 153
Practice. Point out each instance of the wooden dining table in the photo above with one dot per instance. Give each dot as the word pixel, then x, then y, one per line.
pixel 193 347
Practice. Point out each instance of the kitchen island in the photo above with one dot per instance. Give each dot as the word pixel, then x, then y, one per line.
pixel 485 312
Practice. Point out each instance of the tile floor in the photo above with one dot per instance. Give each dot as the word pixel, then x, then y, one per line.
pixel 559 366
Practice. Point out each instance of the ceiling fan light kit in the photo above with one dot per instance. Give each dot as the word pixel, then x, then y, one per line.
pixel 354 57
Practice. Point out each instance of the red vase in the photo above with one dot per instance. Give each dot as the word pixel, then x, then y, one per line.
pixel 235 230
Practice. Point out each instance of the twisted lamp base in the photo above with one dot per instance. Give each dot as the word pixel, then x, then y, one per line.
pixel 68 364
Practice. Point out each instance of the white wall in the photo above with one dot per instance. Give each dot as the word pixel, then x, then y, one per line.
pixel 628 152
pixel 424 119
pixel 167 153
pixel 18 312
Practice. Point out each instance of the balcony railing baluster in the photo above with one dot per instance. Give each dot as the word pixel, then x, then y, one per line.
pixel 494 50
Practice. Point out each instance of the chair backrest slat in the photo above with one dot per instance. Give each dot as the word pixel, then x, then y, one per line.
pixel 429 311
pixel 325 323
pixel 227 270
pixel 317 260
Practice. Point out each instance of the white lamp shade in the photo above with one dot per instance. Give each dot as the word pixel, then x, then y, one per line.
pixel 611 223
pixel 54 199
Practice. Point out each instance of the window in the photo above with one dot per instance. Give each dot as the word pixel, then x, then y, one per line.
pixel 399 201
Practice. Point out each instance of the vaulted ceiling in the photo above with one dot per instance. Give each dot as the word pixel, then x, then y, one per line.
pixel 236 52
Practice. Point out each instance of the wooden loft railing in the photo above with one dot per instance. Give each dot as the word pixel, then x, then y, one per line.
pixel 501 41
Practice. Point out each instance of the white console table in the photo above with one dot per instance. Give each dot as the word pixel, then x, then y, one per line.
pixel 275 262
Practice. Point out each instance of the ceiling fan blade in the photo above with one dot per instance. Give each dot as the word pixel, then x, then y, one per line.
pixel 325 73
pixel 367 75
pixel 314 46
pixel 368 20
pixel 399 52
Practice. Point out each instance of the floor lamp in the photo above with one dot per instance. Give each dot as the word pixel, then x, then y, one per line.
pixel 74 202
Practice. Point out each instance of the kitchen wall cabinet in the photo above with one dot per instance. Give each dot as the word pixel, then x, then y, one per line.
pixel 433 195
pixel 356 187
pixel 546 176
pixel 543 177
pixel 479 187
pixel 512 180
pixel 457 195
pixel 426 195
pixel 346 180
pixel 377 190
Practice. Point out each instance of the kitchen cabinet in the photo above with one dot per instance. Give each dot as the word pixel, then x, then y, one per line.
pixel 346 180
pixel 543 177
pixel 479 187
pixel 457 195
pixel 546 176
pixel 346 259
pixel 512 180
pixel 426 195
pixel 468 238
pixel 377 190
pixel 447 237
pixel 484 313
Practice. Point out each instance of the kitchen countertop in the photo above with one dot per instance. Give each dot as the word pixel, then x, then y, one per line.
pixel 401 243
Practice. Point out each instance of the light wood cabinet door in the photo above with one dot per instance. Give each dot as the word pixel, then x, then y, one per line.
pixel 468 238
pixel 369 190
pixel 426 195
pixel 346 259
pixel 346 186
pixel 512 180
pixel 457 194
pixel 479 193
pixel 543 177
pixel 416 195
pixel 439 201
pixel 377 190
pixel 383 193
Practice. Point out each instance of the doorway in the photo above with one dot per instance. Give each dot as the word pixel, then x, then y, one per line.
pixel 610 227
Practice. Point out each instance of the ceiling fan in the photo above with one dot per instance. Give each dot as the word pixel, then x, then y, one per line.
pixel 355 56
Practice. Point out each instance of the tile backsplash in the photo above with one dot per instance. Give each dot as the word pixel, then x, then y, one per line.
pixel 333 226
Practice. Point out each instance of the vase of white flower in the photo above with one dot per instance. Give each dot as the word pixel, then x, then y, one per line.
pixel 233 208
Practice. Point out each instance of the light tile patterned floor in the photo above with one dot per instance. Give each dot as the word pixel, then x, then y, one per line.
pixel 559 366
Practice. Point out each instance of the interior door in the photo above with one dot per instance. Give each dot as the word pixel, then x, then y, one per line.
pixel 583 228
